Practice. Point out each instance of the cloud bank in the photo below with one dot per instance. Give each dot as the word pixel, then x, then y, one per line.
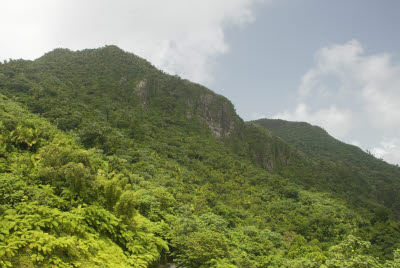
pixel 350 91
pixel 179 36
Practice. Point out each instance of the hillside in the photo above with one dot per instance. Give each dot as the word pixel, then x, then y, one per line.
pixel 316 142
pixel 107 161
pixel 379 178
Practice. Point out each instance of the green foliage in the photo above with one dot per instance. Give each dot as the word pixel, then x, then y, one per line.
pixel 341 168
pixel 138 168
pixel 45 217
pixel 197 252
pixel 351 253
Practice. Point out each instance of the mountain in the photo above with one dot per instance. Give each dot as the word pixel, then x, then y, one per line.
pixel 379 179
pixel 316 142
pixel 107 161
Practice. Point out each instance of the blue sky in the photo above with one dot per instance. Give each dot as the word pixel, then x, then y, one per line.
pixel 269 56
pixel 335 64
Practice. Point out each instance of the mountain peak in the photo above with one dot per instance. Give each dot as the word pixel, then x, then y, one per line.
pixel 129 153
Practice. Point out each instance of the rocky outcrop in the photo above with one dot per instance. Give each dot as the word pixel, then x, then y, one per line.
pixel 141 91
pixel 216 112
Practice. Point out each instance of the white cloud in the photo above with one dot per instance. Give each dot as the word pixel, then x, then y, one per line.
pixel 388 150
pixel 347 89
pixel 355 143
pixel 256 115
pixel 179 36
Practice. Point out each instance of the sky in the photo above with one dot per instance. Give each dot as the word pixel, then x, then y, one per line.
pixel 335 64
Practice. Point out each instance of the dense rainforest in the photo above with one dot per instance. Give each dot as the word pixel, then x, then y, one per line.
pixel 106 161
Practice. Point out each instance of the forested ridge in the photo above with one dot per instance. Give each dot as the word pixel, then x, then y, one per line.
pixel 106 161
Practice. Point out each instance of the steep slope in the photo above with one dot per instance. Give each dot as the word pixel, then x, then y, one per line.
pixel 177 157
pixel 129 94
pixel 316 142
pixel 382 180
pixel 62 205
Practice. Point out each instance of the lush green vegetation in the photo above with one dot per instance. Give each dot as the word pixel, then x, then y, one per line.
pixel 344 169
pixel 106 161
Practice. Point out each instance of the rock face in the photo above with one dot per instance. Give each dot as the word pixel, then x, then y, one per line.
pixel 142 92
pixel 216 112
pixel 280 154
